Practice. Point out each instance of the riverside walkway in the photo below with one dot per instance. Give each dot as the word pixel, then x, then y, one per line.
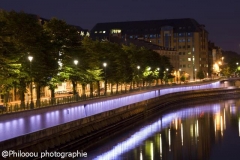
pixel 22 123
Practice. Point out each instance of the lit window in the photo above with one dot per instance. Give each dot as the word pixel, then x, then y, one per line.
pixel 189 52
pixel 189 40
pixel 180 34
pixel 189 59
pixel 104 31
pixel 115 31
pixel 131 37
pixel 189 65
pixel 95 32
pixel 180 40
pixel 100 31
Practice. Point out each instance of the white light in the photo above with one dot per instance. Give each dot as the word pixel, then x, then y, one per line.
pixel 104 64
pixel 182 133
pixel 239 126
pixel 75 62
pixel 169 138
pixel 30 58
pixel 160 144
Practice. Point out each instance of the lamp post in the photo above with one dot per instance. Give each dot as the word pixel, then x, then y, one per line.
pixel 138 67
pixel 74 85
pixel 166 75
pixel 236 69
pixel 30 58
pixel 179 75
pixel 195 78
pixel 158 69
pixel 105 75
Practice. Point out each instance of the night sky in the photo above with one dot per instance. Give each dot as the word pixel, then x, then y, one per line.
pixel 221 17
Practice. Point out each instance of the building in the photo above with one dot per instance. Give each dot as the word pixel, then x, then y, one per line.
pixel 187 36
pixel 216 59
pixel 171 53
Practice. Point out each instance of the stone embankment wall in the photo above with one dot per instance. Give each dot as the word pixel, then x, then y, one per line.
pixel 90 130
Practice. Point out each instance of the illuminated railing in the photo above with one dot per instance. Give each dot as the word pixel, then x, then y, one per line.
pixel 21 125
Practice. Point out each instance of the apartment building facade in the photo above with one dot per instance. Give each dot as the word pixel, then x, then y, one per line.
pixel 186 36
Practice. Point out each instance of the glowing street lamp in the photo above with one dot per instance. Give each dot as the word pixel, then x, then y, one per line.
pixel 75 62
pixel 30 58
pixel 138 67
pixel 105 73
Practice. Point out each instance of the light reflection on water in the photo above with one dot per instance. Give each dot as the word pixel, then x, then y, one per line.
pixel 200 132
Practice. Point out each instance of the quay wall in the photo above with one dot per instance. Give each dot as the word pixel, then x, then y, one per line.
pixel 88 130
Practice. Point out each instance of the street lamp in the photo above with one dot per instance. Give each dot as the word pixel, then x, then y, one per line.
pixel 195 74
pixel 75 62
pixel 30 58
pixel 105 83
pixel 138 67
pixel 75 83
pixel 179 74
pixel 237 68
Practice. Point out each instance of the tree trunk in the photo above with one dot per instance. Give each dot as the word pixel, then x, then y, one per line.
pixel 91 89
pixel 117 87
pixel 84 90
pixel 74 84
pixel 22 90
pixel 38 93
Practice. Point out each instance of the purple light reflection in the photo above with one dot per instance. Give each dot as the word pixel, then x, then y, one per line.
pixel 137 138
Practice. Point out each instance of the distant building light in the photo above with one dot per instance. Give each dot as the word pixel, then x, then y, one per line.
pixel 104 31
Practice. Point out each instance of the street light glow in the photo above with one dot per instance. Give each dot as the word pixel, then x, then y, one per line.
pixel 75 62
pixel 104 64
pixel 30 58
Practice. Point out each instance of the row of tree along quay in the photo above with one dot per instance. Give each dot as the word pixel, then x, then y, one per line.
pixel 60 53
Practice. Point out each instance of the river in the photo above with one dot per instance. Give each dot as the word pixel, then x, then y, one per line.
pixel 199 132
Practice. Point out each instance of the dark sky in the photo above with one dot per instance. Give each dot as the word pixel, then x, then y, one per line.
pixel 221 17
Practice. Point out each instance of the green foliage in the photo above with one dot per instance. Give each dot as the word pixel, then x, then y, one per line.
pixel 55 45
pixel 200 74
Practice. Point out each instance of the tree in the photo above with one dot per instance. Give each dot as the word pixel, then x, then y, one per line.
pixel 200 75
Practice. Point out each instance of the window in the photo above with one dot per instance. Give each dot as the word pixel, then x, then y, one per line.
pixel 189 34
pixel 188 46
pixel 179 34
pixel 180 40
pixel 183 53
pixel 189 52
pixel 189 65
pixel 159 41
pixel 189 40
pixel 146 36
pixel 115 31
pixel 180 53
pixel 100 31
pixel 183 40
pixel 159 35
pixel 130 36
pixel 189 59
pixel 104 31
pixel 184 66
pixel 179 47
pixel 95 32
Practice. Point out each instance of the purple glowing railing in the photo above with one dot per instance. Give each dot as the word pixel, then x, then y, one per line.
pixel 14 127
